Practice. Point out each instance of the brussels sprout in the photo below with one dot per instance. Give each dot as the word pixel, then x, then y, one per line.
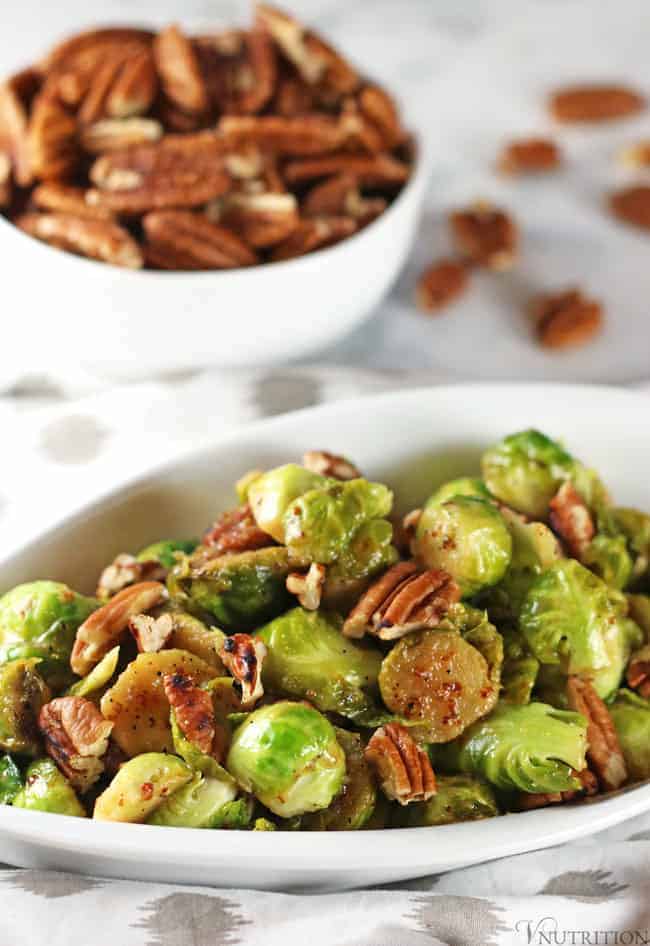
pixel 635 526
pixel 11 781
pixel 532 748
pixel 466 537
pixel 370 551
pixel 354 805
pixel 287 755
pixel 525 471
pixel 631 716
pixel 639 611
pixel 569 618
pixel 140 786
pixel 241 590
pixel 22 694
pixel 165 552
pixel 520 668
pixel 47 789
pixel 463 486
pixel 608 557
pixel 198 804
pixel 458 798
pixel 98 676
pixel 321 524
pixel 271 493
pixel 244 483
pixel 309 658
pixel 40 619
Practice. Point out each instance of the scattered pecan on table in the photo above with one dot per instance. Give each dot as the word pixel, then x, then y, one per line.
pixel 441 283
pixel 594 103
pixel 529 156
pixel 566 319
pixel 632 205
pixel 484 235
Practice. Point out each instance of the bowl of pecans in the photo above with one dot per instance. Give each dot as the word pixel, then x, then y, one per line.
pixel 229 198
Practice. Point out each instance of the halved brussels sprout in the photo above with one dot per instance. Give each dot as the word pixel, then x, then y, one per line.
pixel 531 748
pixel 463 486
pixel 198 804
pixel 355 803
pixel 244 483
pixel 166 551
pixel 370 551
pixel 270 494
pixel 11 781
pixel 635 526
pixel 467 538
pixel 457 798
pixel 98 676
pixel 40 619
pixel 520 668
pixel 47 789
pixel 608 557
pixel 241 590
pixel 525 470
pixel 631 716
pixel 22 694
pixel 287 755
pixel 140 786
pixel 309 658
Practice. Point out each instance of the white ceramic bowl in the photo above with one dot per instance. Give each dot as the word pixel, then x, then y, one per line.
pixel 125 324
pixel 414 440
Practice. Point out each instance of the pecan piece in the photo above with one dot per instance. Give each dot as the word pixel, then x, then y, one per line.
pixel 121 83
pixel 292 98
pixel 134 89
pixel 89 47
pixel 571 520
pixel 529 156
pixel 377 105
pixel 151 634
pixel 76 737
pixel 243 656
pixel 239 68
pixel 379 170
pixel 94 238
pixel 195 715
pixel 403 768
pixel 104 627
pixel 116 133
pixel 595 103
pixel 638 671
pixel 314 234
pixel 401 601
pixel 5 179
pixel 527 801
pixel 15 97
pixel 180 71
pixel 51 139
pixel 67 199
pixel 330 464
pixel 305 135
pixel 126 570
pixel 340 195
pixel 441 283
pixel 308 586
pixel 205 244
pixel 566 319
pixel 603 748
pixel 261 220
pixel 485 235
pixel 632 205
pixel 236 531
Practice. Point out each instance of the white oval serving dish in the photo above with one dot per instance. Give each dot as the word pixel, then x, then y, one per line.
pixel 413 440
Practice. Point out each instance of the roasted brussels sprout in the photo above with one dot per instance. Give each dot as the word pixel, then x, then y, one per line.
pixel 166 551
pixel 22 694
pixel 608 557
pixel 309 658
pixel 525 470
pixel 355 803
pixel 198 804
pixel 244 483
pixel 635 526
pixel 467 538
pixel 531 748
pixel 569 618
pixel 11 781
pixel 639 611
pixel 370 551
pixel 458 798
pixel 631 716
pixel 40 619
pixel 140 786
pixel 463 486
pixel 520 668
pixel 98 677
pixel 47 789
pixel 270 494
pixel 287 755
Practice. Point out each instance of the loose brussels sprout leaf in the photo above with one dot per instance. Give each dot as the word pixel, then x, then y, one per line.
pixel 263 824
pixel 240 590
pixel 321 524
pixel 11 781
pixel 608 557
pixel 466 537
pixel 98 676
pixel 166 551
pixel 309 658
pixel 635 526
pixel 370 551
pixel 140 786
pixel 520 668
pixel 199 804
pixel 639 611
pixel 22 694
pixel 354 805
pixel 197 638
pixel 47 789
pixel 463 486
pixel 199 761
pixel 236 814
pixel 270 494
pixel 40 619
pixel 525 471
pixel 136 703
pixel 458 798
pixel 631 716
pixel 531 748
pixel 568 618
pixel 287 755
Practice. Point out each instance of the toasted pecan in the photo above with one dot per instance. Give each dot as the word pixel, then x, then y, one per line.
pixel 96 238
pixel 595 103
pixel 308 586
pixel 313 234
pixel 206 244
pixel 180 71
pixel 330 464
pixel 134 88
pixel 239 68
pixel 261 220
pixel 566 319
pixel 67 199
pixel 195 715
pixel 571 520
pixel 5 179
pixel 485 235
pixel 127 570
pixel 604 752
pixel 112 134
pixel 529 156
pixel 89 47
pixel 244 655
pixel 403 768
pixel 235 531
pixel 379 170
pixel 151 633
pixel 76 737
pixel 440 284
pixel 378 106
pixel 121 83
pixel 638 671
pixel 340 195
pixel 16 94
pixel 292 98
pixel 632 205
pixel 52 139
pixel 306 135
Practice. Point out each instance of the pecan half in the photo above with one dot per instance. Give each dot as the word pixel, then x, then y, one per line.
pixel 441 283
pixel 485 235
pixel 378 106
pixel 236 531
pixel 97 239
pixel 239 68
pixel 15 97
pixel 206 245
pixel 195 715
pixel 527 801
pixel 67 199
pixel 292 97
pixel 379 170
pixel 638 671
pixel 305 135
pixel 5 179
pixel 595 103
pixel 51 139
pixel 76 737
pixel 126 570
pixel 403 768
pixel 571 520
pixel 340 195
pixel 88 48
pixel 120 83
pixel 104 627
pixel 529 156
pixel 566 319
pixel 603 748
pixel 151 634
pixel 115 133
pixel 261 220
pixel 401 601
pixel 180 71
pixel 632 205
pixel 308 587
pixel 243 656
pixel 330 464
pixel 314 234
